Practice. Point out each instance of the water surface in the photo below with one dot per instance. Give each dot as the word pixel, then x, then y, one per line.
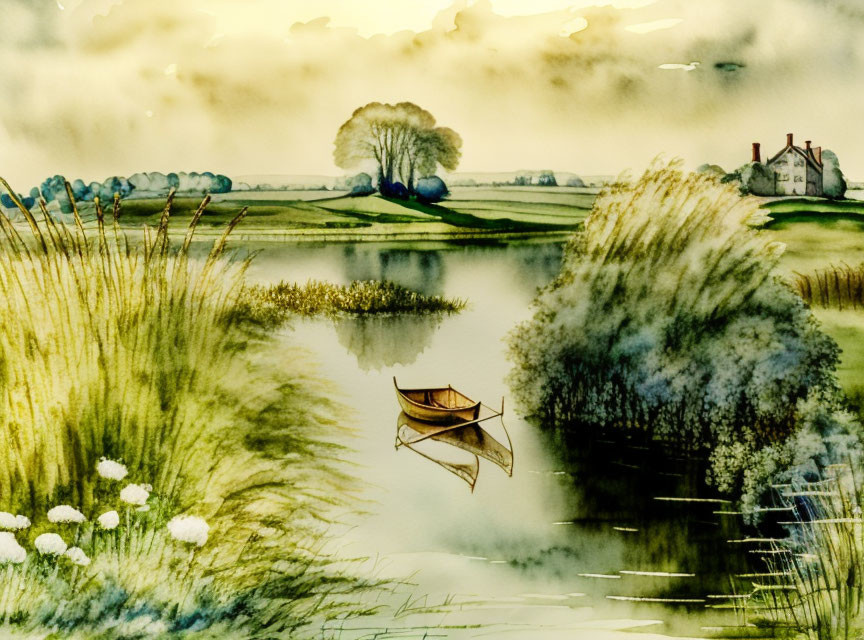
pixel 584 548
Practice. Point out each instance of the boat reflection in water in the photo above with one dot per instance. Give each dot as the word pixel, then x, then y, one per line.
pixel 456 448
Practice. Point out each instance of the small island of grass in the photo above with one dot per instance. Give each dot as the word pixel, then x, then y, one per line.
pixel 360 298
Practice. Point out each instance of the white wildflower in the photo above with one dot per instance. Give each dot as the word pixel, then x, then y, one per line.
pixel 50 544
pixel 10 550
pixel 134 494
pixel 111 469
pixel 109 520
pixel 189 529
pixel 8 521
pixel 65 513
pixel 77 556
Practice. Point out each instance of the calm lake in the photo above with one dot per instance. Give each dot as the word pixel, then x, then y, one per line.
pixel 590 548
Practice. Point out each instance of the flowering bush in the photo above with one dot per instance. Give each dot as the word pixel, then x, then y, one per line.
pixel 109 520
pixel 667 323
pixel 77 556
pixel 8 521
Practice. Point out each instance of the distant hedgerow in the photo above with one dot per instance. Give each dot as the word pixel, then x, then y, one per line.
pixel 668 323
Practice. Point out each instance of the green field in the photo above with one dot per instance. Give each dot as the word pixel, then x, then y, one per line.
pixel 784 208
pixel 817 234
pixel 267 214
pixel 474 211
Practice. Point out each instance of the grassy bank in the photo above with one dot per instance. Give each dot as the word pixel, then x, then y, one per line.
pixel 223 465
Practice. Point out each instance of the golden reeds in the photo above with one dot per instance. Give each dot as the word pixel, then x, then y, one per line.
pixel 838 286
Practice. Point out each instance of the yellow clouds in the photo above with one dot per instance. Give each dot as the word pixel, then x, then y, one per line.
pixel 261 86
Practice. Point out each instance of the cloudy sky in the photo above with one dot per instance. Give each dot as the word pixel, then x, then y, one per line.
pixel 93 88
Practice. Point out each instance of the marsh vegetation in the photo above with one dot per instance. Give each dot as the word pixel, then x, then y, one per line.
pixel 137 353
pixel 812 583
pixel 277 302
pixel 187 375
pixel 836 286
pixel 669 323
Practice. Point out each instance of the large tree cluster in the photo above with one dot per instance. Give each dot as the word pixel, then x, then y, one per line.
pixel 401 139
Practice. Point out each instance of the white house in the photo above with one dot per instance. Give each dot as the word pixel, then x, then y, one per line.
pixel 796 171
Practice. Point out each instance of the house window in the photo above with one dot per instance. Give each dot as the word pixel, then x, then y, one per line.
pixel 799 178
pixel 782 177
pixel 799 162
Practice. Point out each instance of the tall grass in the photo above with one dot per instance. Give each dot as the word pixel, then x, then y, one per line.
pixel 815 581
pixel 667 322
pixel 837 286
pixel 140 353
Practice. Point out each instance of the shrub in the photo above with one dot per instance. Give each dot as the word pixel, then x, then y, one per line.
pixel 833 182
pixel 547 179
pixel 431 189
pixel 393 190
pixel 753 178
pixel 666 322
pixel 713 169
pixel 8 203
pixel 361 185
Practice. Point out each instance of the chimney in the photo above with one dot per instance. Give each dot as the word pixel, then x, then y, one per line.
pixel 757 157
pixel 788 139
pixel 807 145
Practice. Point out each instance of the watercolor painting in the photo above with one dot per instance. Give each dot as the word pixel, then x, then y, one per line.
pixel 458 319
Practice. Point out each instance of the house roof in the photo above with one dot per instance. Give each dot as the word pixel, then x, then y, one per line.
pixel 809 157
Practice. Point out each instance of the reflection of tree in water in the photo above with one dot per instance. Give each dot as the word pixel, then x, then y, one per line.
pixel 379 342
pixel 422 271
pixel 532 265
pixel 538 263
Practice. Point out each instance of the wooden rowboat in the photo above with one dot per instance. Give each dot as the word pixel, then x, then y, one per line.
pixel 441 405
